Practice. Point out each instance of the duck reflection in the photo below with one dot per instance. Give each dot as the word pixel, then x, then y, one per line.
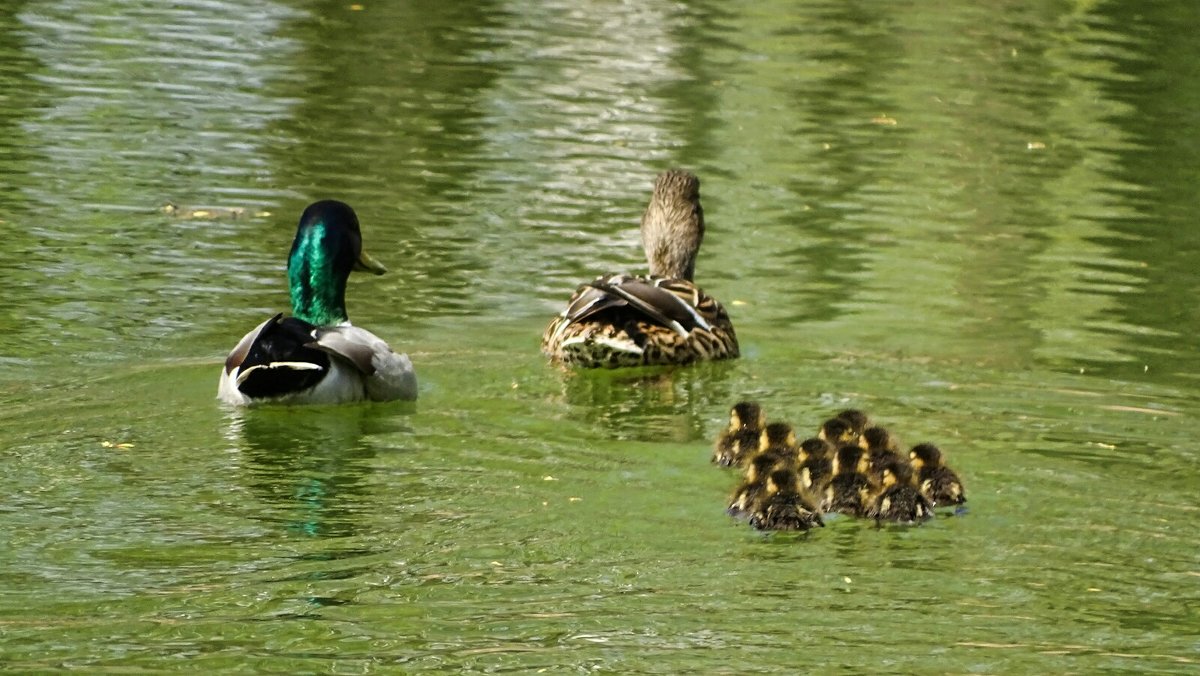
pixel 651 403
pixel 309 465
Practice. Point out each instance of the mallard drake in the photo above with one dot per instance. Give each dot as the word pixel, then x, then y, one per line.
pixel 316 356
pixel 849 492
pixel 784 505
pixel 936 481
pixel 664 318
pixel 740 439
pixel 896 498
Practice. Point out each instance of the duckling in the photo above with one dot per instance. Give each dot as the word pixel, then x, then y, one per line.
pixel 738 441
pixel 897 499
pixel 753 484
pixel 635 320
pixel 316 356
pixel 880 446
pixel 878 440
pixel 816 464
pixel 784 505
pixel 856 419
pixel 778 440
pixel 849 459
pixel 837 432
pixel 936 481
pixel 849 492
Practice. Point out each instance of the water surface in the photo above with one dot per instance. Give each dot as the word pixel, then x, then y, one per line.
pixel 974 222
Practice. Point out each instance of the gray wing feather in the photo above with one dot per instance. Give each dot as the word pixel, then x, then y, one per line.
pixel 349 346
pixel 387 375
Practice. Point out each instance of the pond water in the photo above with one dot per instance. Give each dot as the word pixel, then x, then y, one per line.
pixel 974 221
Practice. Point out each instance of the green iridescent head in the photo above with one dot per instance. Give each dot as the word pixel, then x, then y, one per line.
pixel 328 246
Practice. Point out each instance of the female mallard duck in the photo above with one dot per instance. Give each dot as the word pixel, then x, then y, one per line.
pixel 316 356
pixel 897 499
pixel 626 320
pixel 740 440
pixel 784 505
pixel 937 482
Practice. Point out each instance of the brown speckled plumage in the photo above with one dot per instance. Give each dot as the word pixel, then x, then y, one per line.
pixel 621 320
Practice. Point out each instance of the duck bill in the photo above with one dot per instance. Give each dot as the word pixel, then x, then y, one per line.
pixel 366 263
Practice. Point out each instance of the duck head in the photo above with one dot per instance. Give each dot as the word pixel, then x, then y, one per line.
pixel 328 246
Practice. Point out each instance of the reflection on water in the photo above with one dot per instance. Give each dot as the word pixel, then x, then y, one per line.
pixel 1153 238
pixel 578 112
pixel 944 211
pixel 123 124
pixel 652 403
pixel 311 466
pixel 974 221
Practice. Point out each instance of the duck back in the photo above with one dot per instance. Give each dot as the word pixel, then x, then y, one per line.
pixel 281 360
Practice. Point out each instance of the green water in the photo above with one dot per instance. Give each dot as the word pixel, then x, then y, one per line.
pixel 974 221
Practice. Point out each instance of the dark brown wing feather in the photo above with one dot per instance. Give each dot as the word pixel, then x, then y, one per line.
pixel 624 320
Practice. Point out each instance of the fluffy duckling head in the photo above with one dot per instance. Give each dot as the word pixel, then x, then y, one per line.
pixel 879 440
pixel 849 459
pixel 815 448
pixel 837 431
pixel 760 466
pixel 856 419
pixel 893 470
pixel 781 480
pixel 925 455
pixel 746 415
pixel 777 435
